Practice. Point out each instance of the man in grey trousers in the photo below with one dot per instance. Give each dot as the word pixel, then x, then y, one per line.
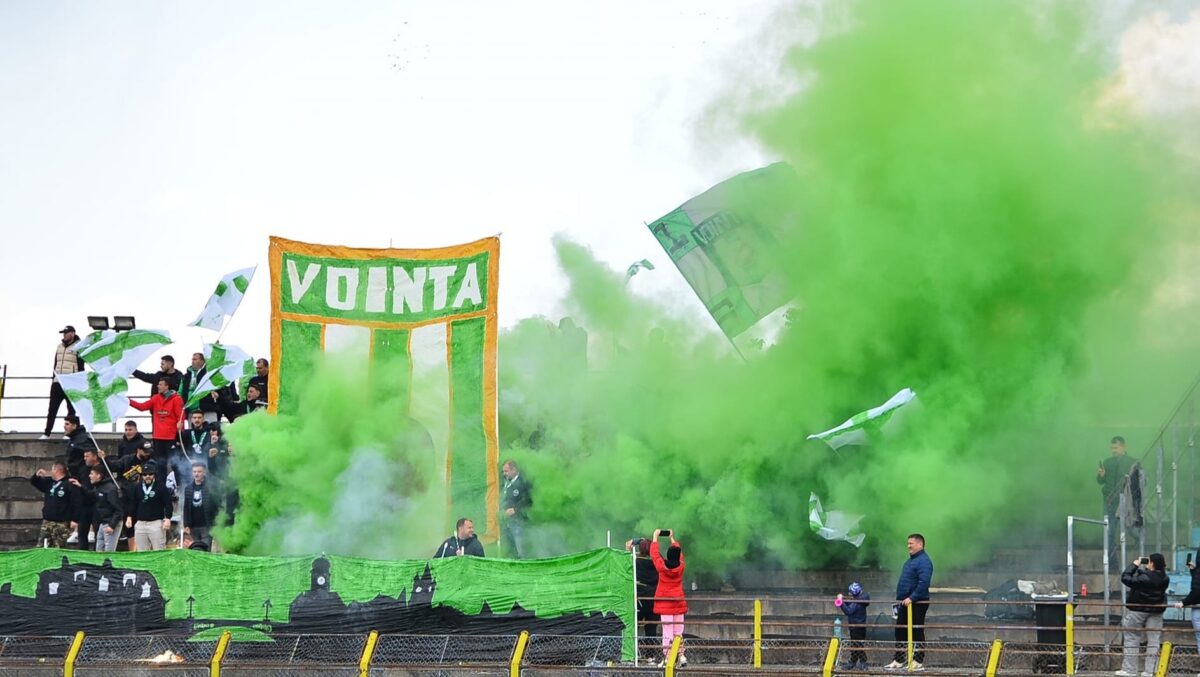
pixel 1147 581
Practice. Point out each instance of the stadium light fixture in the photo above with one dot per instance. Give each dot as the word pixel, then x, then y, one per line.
pixel 98 322
pixel 124 322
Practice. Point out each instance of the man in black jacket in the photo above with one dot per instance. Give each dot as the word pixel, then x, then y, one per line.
pixel 1147 581
pixel 1193 599
pixel 209 405
pixel 81 477
pixel 61 506
pixel 166 370
pixel 131 440
pixel 200 505
pixel 152 513
pixel 262 373
pixel 463 542
pixel 647 584
pixel 107 512
pixel 515 502
pixel 78 441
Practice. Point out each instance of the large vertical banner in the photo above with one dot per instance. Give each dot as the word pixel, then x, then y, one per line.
pixel 430 315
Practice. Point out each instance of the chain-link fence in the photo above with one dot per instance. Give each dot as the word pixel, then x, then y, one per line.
pixel 429 655
pixel 175 655
pixel 33 656
pixel 284 654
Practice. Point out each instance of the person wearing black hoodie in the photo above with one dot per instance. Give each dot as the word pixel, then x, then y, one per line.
pixel 131 441
pixel 152 513
pixel 107 512
pixel 463 542
pixel 1193 599
pixel 61 507
pixel 1145 602
pixel 78 441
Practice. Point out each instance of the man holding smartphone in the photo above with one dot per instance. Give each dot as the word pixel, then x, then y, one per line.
pixel 1147 581
pixel 1193 599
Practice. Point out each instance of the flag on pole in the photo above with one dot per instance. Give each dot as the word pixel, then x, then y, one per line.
pixel 225 299
pixel 99 397
pixel 637 266
pixel 223 365
pixel 834 525
pixel 859 428
pixel 122 351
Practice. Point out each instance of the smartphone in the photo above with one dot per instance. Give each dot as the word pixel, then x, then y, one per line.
pixel 666 533
pixel 1189 559
pixel 1145 561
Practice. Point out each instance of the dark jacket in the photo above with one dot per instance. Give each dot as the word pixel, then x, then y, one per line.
pixel 515 494
pixel 233 409
pixel 1193 596
pixel 77 443
pixel 470 546
pixel 915 578
pixel 200 504
pixel 173 379
pixel 126 447
pixel 152 503
pixel 647 576
pixel 195 440
pixel 261 382
pixel 1147 589
pixel 855 608
pixel 82 474
pixel 108 504
pixel 188 385
pixel 63 501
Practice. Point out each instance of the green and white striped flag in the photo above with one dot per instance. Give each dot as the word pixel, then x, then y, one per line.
pixel 99 397
pixel 225 299
pixel 122 351
pixel 834 525
pixel 860 428
pixel 223 365
pixel 636 266
pixel 93 337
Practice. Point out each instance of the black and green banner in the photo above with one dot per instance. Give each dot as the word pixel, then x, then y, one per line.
pixel 56 592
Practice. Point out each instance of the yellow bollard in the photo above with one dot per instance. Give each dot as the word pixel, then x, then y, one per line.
pixel 364 661
pixel 910 639
pixel 672 656
pixel 1070 638
pixel 1164 660
pixel 993 663
pixel 72 655
pixel 218 657
pixel 758 633
pixel 830 658
pixel 514 666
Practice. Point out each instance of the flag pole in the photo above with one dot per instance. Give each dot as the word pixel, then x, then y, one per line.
pixel 106 468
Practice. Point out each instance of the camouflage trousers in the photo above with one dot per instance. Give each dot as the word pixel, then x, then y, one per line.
pixel 54 533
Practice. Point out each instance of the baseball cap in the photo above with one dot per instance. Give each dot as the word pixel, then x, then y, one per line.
pixel 68 328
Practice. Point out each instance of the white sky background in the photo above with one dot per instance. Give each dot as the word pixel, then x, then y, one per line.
pixel 149 148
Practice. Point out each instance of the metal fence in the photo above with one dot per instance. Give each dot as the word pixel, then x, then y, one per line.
pixel 25 399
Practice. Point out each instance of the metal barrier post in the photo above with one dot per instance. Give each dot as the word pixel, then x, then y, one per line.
pixel 758 633
pixel 1164 660
pixel 994 658
pixel 514 665
pixel 830 658
pixel 1070 638
pixel 672 656
pixel 72 655
pixel 218 657
pixel 364 662
pixel 910 638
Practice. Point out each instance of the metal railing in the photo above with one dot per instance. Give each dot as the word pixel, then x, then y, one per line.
pixel 25 399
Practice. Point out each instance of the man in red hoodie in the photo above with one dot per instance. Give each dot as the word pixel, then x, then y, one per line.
pixel 166 411
pixel 668 598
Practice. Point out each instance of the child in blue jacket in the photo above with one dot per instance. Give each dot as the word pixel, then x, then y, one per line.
pixel 855 608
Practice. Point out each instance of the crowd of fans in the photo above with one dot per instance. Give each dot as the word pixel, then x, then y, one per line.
pixel 145 493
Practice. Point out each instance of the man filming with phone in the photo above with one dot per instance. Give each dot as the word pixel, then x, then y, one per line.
pixel 1147 581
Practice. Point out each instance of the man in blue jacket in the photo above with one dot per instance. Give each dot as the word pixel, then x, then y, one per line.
pixel 912 591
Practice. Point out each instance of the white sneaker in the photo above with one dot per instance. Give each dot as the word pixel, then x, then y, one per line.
pixel 917 667
pixel 44 437
pixel 682 661
pixel 67 437
pixel 91 537
pixel 73 538
pixel 1122 673
pixel 894 665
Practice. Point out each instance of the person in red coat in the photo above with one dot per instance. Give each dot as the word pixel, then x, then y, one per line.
pixel 669 602
pixel 166 411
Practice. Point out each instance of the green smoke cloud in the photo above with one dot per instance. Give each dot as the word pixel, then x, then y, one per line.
pixel 970 224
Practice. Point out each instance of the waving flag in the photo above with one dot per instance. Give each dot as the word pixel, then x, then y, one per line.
pixel 224 365
pixel 834 525
pixel 122 351
pixel 859 428
pixel 99 397
pixel 225 299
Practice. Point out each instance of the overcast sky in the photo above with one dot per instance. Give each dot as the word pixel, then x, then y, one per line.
pixel 149 148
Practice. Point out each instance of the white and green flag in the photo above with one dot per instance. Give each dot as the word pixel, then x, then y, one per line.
pixel 834 525
pixel 860 428
pixel 122 351
pixel 224 365
pixel 99 397
pixel 225 299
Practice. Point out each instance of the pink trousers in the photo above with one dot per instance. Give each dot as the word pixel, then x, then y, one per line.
pixel 672 625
